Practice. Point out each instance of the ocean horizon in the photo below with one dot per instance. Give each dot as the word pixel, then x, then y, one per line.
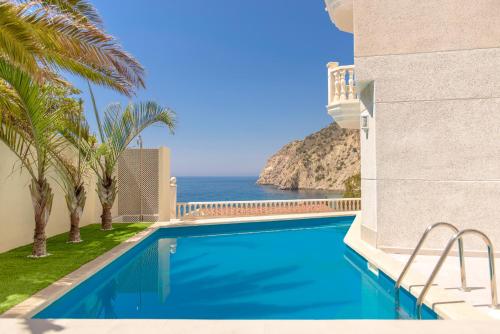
pixel 238 188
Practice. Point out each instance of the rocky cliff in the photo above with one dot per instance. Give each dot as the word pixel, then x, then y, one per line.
pixel 322 160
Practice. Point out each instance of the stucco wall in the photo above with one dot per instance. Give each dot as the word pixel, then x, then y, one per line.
pixel 436 122
pixel 368 165
pixel 16 211
pixel 165 194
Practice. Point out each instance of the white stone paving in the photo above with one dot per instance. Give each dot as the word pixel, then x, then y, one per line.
pixel 449 277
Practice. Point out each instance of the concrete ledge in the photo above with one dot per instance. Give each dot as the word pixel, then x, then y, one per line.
pixel 246 326
pixel 369 236
pixel 250 219
pixel 435 252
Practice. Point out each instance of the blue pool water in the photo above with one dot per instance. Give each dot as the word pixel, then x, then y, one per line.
pixel 199 189
pixel 295 269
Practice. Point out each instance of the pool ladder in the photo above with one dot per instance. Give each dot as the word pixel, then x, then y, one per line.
pixel 457 236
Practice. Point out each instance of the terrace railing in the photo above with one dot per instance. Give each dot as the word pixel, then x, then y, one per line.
pixel 343 101
pixel 194 210
pixel 342 87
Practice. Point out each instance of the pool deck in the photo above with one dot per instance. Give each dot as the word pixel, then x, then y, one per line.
pixel 449 278
pixel 23 326
pixel 447 303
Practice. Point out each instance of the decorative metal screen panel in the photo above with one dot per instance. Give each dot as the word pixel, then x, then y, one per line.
pixel 138 185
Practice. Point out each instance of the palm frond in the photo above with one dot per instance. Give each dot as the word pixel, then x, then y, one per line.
pixel 121 127
pixel 50 35
pixel 19 145
pixel 9 100
pixel 79 10
pixel 16 40
pixel 96 113
pixel 30 131
pixel 33 108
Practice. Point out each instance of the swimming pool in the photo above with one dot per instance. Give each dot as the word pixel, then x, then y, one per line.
pixel 289 269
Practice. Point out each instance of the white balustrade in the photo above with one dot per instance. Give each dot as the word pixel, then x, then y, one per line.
pixel 341 83
pixel 195 210
pixel 343 102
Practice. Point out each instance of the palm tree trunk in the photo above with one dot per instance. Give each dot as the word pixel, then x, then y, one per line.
pixel 106 218
pixel 106 189
pixel 41 198
pixel 74 232
pixel 75 200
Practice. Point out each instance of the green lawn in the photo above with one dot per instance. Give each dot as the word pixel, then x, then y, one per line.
pixel 21 277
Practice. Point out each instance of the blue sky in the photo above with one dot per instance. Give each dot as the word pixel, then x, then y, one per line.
pixel 245 77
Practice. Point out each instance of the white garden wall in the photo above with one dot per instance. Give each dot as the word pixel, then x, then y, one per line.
pixel 16 211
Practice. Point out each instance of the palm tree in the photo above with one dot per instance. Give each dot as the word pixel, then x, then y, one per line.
pixel 43 36
pixel 71 179
pixel 117 130
pixel 29 129
pixel 38 39
pixel 72 173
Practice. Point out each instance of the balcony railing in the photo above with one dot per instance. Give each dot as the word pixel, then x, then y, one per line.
pixel 196 210
pixel 343 102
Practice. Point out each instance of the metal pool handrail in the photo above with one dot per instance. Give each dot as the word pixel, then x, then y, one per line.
pixel 444 255
pixel 419 246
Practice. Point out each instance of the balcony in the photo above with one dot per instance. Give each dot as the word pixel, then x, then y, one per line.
pixel 340 12
pixel 343 102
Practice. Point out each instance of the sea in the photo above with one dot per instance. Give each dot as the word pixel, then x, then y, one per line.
pixel 241 188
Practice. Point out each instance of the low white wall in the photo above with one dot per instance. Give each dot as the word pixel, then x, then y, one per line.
pixel 173 198
pixel 165 194
pixel 16 210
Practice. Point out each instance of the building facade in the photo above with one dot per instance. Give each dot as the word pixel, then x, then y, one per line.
pixel 427 81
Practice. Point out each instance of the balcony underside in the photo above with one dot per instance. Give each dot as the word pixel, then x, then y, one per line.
pixel 346 113
pixel 340 12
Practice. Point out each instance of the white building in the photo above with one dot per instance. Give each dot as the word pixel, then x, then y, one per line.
pixel 427 78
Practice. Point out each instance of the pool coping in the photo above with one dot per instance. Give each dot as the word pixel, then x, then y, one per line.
pixel 132 326
pixel 41 299
pixel 126 326
pixel 252 219
pixel 446 304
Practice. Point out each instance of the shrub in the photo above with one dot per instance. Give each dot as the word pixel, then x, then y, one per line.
pixel 352 186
